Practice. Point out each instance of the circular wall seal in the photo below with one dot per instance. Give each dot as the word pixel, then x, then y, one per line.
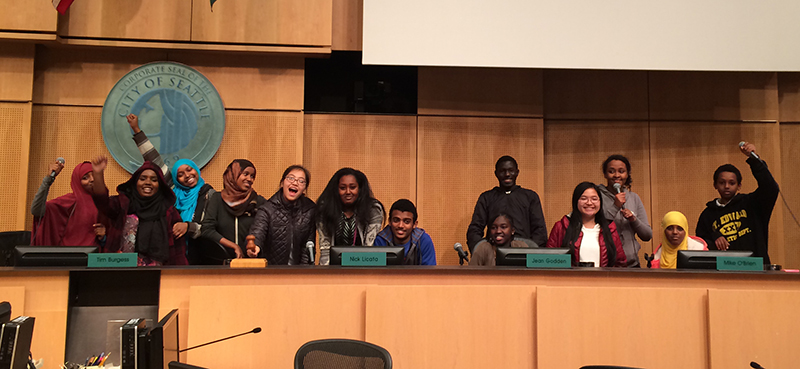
pixel 179 110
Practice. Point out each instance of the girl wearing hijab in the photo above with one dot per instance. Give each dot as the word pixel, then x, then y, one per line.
pixel 501 234
pixel 349 215
pixel 142 216
pixel 589 236
pixel 285 224
pixel 230 213
pixel 69 220
pixel 675 226
pixel 192 194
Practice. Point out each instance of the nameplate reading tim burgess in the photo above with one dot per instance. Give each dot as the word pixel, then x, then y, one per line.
pixel 112 260
pixel 179 110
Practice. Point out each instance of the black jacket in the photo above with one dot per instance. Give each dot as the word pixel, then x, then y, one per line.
pixel 282 229
pixel 521 204
pixel 220 222
pixel 744 221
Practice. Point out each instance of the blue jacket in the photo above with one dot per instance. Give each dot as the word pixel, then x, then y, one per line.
pixel 418 251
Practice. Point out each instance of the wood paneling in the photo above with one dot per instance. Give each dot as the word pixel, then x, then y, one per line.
pixel 247 81
pixel 32 16
pixel 789 96
pixel 790 192
pixel 574 152
pixel 684 156
pixel 16 71
pixel 348 25
pixel 456 164
pixel 453 326
pixel 595 94
pixel 484 92
pixel 580 326
pixel 289 316
pixel 78 76
pixel 140 20
pixel 383 147
pixel 277 22
pixel 15 142
pixel 752 325
pixel 713 96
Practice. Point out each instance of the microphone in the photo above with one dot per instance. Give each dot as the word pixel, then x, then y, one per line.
pixel 311 251
pixel 462 255
pixel 255 330
pixel 53 172
pixel 618 187
pixel 755 365
pixel 754 155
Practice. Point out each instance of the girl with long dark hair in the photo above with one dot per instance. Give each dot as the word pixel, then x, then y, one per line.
pixel 586 232
pixel 348 213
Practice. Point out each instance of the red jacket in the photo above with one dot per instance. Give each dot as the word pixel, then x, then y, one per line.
pixel 560 230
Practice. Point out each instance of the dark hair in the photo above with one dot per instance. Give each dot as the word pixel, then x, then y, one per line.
pixel 728 168
pixel 504 159
pixel 404 205
pixel 575 224
pixel 293 167
pixel 493 219
pixel 623 159
pixel 329 204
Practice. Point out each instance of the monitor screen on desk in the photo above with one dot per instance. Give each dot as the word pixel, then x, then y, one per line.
pixel 701 259
pixel 5 312
pixel 53 255
pixel 394 254
pixel 162 342
pixel 518 256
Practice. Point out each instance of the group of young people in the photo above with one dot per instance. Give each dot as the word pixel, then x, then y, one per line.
pixel 171 216
pixel 606 219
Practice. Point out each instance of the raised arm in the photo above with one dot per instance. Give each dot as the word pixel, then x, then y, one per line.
pixel 149 152
pixel 39 203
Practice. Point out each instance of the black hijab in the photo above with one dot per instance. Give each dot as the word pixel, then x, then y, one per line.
pixel 153 235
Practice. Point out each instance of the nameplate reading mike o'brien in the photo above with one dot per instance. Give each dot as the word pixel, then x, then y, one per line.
pixel 739 263
pixel 548 261
pixel 363 259
pixel 111 260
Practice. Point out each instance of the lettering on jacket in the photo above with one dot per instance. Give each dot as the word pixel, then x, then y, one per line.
pixel 730 225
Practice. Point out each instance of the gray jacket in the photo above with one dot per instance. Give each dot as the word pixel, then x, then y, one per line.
pixel 628 230
pixel 367 236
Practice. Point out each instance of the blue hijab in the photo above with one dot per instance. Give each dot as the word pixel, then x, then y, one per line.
pixel 186 201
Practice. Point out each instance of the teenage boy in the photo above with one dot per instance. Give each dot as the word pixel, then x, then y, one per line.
pixel 521 204
pixel 402 231
pixel 738 221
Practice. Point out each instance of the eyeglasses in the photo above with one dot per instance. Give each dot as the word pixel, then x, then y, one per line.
pixel 300 181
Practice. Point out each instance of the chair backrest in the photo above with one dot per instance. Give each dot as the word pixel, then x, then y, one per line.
pixel 10 240
pixel 342 354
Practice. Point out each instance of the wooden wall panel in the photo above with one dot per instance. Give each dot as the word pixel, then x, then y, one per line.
pixel 574 152
pixel 15 137
pixel 276 22
pixel 684 156
pixel 271 140
pixel 713 96
pixel 752 325
pixel 31 16
pixel 247 81
pixel 453 326
pixel 138 20
pixel 74 134
pixel 80 76
pixel 348 25
pixel 579 326
pixel 289 316
pixel 16 71
pixel 595 94
pixel 790 192
pixel 789 96
pixel 456 164
pixel 487 92
pixel 383 147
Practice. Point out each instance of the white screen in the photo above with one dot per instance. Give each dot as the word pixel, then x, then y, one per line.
pixel 736 35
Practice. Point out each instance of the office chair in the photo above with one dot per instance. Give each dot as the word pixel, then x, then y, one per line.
pixel 607 367
pixel 342 354
pixel 10 240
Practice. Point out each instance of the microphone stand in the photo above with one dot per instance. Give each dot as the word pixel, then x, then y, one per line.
pixel 255 330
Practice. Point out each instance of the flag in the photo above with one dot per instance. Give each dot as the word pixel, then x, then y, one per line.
pixel 63 5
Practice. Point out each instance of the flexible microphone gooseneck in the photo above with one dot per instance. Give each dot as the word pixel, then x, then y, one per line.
pixel 255 330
